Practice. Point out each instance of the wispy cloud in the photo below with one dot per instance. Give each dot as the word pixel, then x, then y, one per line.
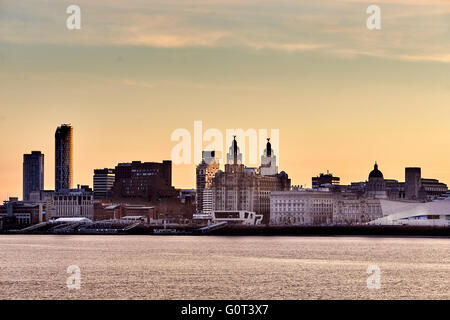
pixel 290 26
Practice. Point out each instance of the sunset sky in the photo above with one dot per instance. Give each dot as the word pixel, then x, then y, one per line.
pixel 342 96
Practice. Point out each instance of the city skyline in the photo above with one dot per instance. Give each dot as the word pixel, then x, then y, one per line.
pixel 221 165
pixel 341 95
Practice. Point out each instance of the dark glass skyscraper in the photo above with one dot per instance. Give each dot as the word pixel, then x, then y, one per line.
pixel 63 157
pixel 33 173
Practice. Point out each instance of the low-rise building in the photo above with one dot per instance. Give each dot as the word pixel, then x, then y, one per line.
pixel 321 207
pixel 110 211
pixel 240 217
pixel 354 210
pixel 23 213
pixel 73 203
pixel 325 180
pixel 302 207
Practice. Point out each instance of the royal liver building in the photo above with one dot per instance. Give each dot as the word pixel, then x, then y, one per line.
pixel 243 188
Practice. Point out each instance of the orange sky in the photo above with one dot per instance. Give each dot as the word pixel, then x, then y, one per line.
pixel 341 96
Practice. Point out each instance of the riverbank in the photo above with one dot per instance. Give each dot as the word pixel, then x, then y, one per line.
pixel 425 231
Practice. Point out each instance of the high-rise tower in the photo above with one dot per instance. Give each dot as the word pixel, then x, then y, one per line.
pixel 205 173
pixel 63 157
pixel 33 173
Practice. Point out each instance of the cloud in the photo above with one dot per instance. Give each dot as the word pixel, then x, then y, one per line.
pixel 443 57
pixel 288 26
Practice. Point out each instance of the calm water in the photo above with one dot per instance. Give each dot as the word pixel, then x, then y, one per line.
pixel 183 267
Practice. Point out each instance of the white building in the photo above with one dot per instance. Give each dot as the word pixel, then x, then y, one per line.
pixel 351 210
pixel 432 213
pixel 302 207
pixel 73 203
pixel 236 217
pixel 208 201
pixel 321 207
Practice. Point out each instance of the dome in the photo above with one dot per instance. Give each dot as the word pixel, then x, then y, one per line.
pixel 375 173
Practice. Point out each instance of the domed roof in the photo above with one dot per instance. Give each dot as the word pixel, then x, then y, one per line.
pixel 375 173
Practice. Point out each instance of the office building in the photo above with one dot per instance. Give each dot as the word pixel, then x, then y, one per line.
pixel 21 214
pixel 302 207
pixel 325 180
pixel 73 203
pixel 150 181
pixel 103 183
pixel 33 173
pixel 63 157
pixel 205 173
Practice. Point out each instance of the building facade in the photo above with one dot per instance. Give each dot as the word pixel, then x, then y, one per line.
pixel 302 207
pixel 376 186
pixel 245 189
pixel 73 203
pixel 321 207
pixel 119 211
pixel 205 173
pixel 63 157
pixel 33 173
pixel 103 183
pixel 349 209
pixel 148 181
pixel 324 180
pixel 433 188
pixel 22 214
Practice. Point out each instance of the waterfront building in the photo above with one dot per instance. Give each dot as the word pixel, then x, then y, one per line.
pixel 232 217
pixel 149 181
pixel 239 188
pixel 63 157
pixel 73 203
pixel 351 209
pixel 433 188
pixel 116 211
pixel 33 173
pixel 415 213
pixel 22 213
pixel 103 183
pixel 321 207
pixel 205 173
pixel 376 187
pixel 301 207
pixel 325 180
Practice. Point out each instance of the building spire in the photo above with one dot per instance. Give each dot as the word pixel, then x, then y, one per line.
pixel 269 148
pixel 234 150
